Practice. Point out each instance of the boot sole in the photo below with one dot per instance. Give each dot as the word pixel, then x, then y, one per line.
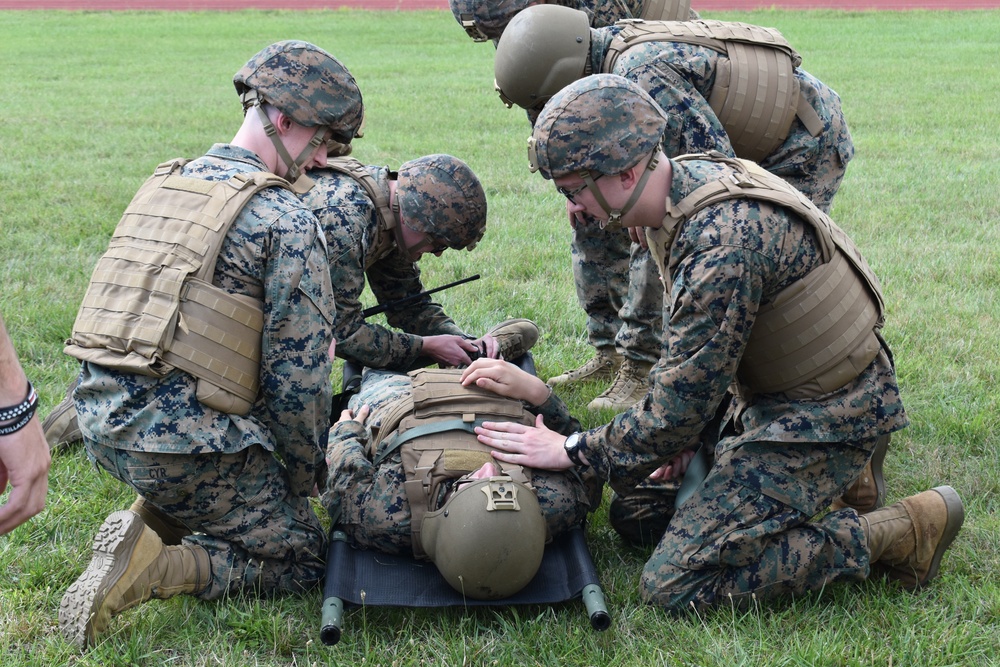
pixel 956 517
pixel 517 320
pixel 113 548
pixel 606 374
pixel 600 403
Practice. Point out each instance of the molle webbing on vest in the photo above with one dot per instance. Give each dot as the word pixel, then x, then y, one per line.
pixel 150 306
pixel 666 10
pixel 819 328
pixel 436 440
pixel 755 94
pixel 385 239
pixel 820 332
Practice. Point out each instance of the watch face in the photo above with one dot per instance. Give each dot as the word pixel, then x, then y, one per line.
pixel 572 446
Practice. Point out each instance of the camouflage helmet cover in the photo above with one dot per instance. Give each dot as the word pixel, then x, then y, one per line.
pixel 439 195
pixel 544 48
pixel 488 539
pixel 486 19
pixel 306 83
pixel 602 123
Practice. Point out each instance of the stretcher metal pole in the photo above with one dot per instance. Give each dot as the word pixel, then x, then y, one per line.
pixel 597 608
pixel 333 607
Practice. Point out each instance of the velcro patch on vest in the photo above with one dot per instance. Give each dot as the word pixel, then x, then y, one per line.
pixel 465 461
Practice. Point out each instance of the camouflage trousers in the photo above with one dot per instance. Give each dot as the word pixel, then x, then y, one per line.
pixel 260 536
pixel 748 531
pixel 641 517
pixel 618 287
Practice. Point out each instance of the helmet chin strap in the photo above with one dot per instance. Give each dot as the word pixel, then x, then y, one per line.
pixel 615 215
pixel 397 231
pixel 300 182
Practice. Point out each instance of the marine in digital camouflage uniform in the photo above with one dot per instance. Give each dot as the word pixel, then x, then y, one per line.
pixel 617 284
pixel 373 508
pixel 208 478
pixel 436 198
pixel 752 528
pixel 467 539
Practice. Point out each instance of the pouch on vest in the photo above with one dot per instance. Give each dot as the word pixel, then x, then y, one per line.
pixel 820 332
pixel 150 306
pixel 435 437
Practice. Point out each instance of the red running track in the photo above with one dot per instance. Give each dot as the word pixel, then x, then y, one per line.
pixel 705 5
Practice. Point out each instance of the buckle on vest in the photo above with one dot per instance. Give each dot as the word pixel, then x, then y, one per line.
pixel 240 180
pixel 742 179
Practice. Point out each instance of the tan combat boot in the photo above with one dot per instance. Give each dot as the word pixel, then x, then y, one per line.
pixel 602 367
pixel 630 386
pixel 130 565
pixel 515 337
pixel 61 427
pixel 868 491
pixel 907 539
pixel 170 530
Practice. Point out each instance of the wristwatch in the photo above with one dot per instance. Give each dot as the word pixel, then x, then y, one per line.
pixel 572 447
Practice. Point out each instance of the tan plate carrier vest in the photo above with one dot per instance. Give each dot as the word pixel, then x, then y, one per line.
pixel 385 239
pixel 820 332
pixel 755 94
pixel 151 306
pixel 433 429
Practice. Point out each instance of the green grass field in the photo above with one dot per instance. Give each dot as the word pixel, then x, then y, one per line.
pixel 93 101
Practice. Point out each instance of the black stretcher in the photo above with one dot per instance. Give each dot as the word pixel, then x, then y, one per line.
pixel 363 577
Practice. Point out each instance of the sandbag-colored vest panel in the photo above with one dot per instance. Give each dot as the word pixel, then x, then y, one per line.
pixel 217 340
pixel 755 97
pixel 820 332
pixel 150 306
pixel 755 94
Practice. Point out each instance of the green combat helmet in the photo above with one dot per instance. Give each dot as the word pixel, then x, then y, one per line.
pixel 440 196
pixel 488 538
pixel 600 125
pixel 309 86
pixel 486 19
pixel 543 49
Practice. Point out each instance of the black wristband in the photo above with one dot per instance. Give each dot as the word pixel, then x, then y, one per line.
pixel 19 414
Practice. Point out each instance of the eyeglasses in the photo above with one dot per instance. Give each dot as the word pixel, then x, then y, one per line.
pixel 570 194
pixel 588 179
pixel 430 245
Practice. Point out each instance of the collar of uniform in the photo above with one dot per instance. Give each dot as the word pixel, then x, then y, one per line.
pixel 233 153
